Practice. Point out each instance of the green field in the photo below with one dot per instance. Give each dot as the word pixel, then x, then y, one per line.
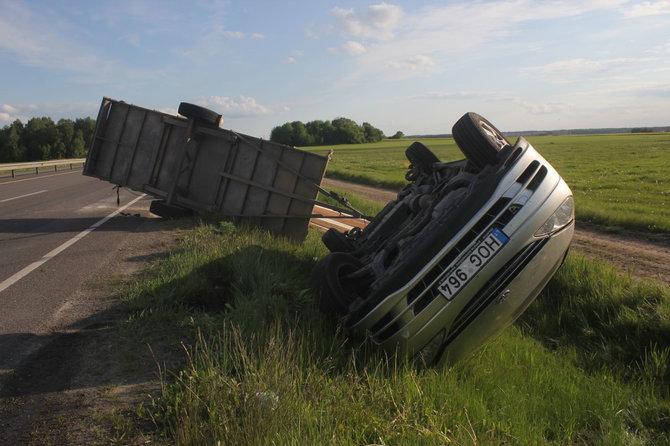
pixel 620 180
pixel 586 365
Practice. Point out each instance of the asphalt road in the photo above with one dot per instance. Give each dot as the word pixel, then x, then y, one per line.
pixel 56 231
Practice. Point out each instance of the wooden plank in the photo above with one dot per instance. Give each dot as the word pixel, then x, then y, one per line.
pixel 341 224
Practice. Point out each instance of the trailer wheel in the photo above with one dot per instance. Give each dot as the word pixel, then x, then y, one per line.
pixel 162 209
pixel 200 114
pixel 479 140
pixel 421 156
pixel 334 292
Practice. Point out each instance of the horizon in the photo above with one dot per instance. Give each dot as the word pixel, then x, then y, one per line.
pixel 414 67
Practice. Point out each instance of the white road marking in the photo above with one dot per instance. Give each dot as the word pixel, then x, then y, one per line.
pixel 22 196
pixel 33 266
pixel 37 177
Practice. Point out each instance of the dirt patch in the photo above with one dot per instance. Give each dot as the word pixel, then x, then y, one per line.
pixel 369 193
pixel 643 255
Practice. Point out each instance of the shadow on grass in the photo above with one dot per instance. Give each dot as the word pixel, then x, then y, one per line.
pixel 610 320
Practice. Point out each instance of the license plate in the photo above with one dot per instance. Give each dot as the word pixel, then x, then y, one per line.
pixel 471 263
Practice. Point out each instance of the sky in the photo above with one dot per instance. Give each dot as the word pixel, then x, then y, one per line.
pixel 414 66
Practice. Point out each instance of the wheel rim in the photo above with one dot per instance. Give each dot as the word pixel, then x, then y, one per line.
pixel 497 138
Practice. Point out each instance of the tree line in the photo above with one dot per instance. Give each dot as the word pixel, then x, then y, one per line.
pixel 42 139
pixel 319 133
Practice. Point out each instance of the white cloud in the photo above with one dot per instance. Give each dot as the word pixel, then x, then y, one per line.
pixel 48 41
pixel 549 107
pixel 54 110
pixel 660 49
pixel 413 63
pixel 580 69
pixel 378 22
pixel 540 108
pixel 448 95
pixel 294 58
pixel 233 108
pixel 234 34
pixel 444 34
pixel 241 35
pixel 648 9
pixel 168 110
pixel 311 33
pixel 7 108
pixel 353 48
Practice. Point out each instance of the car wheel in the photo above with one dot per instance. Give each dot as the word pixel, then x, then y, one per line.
pixel 420 156
pixel 479 140
pixel 335 241
pixel 334 291
pixel 162 209
pixel 201 114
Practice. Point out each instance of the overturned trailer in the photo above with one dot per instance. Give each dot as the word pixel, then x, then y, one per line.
pixel 189 163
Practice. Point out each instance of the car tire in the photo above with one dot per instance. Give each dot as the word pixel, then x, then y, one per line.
pixel 162 209
pixel 333 293
pixel 199 113
pixel 335 241
pixel 420 156
pixel 479 140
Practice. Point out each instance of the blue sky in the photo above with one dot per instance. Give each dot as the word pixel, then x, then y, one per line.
pixel 414 66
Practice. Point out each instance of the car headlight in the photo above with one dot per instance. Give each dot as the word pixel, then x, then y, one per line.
pixel 559 219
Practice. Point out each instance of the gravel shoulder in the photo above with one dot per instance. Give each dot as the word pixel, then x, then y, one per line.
pixel 643 255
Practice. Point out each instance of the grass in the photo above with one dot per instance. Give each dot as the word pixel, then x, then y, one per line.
pixel 620 180
pixel 587 364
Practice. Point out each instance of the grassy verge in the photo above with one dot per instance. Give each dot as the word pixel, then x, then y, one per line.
pixel 366 207
pixel 587 364
pixel 620 181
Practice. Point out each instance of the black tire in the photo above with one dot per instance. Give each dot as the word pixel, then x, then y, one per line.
pixel 420 156
pixel 201 114
pixel 333 292
pixel 479 140
pixel 162 209
pixel 335 241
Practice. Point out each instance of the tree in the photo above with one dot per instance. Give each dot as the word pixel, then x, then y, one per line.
pixel 40 137
pixel 282 134
pixel 66 135
pixel 78 148
pixel 337 131
pixel 300 136
pixel 347 132
pixel 372 134
pixel 398 135
pixel 87 127
pixel 11 143
pixel 321 131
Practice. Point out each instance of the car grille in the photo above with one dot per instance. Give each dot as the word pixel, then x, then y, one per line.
pixel 494 288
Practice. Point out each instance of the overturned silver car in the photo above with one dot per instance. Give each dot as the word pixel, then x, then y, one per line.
pixel 458 256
